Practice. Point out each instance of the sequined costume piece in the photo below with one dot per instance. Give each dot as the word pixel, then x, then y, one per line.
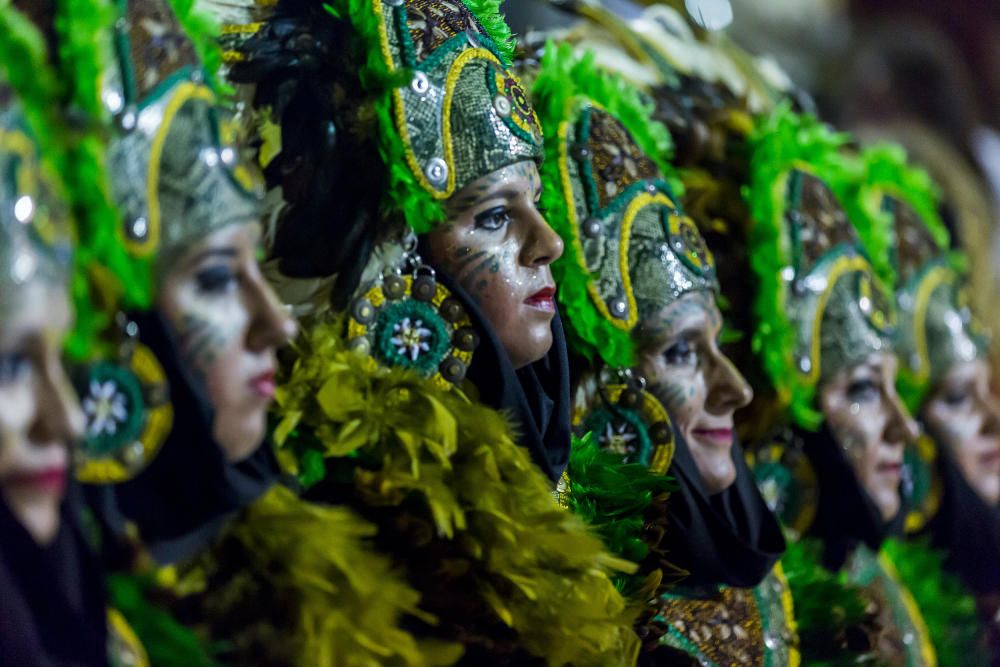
pixel 732 626
pixel 904 640
pixel 454 128
pixel 172 174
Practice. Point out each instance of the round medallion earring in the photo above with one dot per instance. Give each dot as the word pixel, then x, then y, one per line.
pixel 407 319
pixel 788 481
pixel 126 401
pixel 630 421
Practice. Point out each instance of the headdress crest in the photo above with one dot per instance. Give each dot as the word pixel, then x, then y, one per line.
pixel 819 305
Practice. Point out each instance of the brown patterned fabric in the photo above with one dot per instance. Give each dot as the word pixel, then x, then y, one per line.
pixel 158 44
pixel 819 219
pixel 915 246
pixel 725 626
pixel 617 161
pixel 434 22
pixel 890 647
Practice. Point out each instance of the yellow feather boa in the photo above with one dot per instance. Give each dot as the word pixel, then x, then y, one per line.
pixel 296 583
pixel 411 449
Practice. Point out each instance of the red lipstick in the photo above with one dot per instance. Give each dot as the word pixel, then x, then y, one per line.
pixel 717 436
pixel 894 469
pixel 543 299
pixel 990 459
pixel 51 479
pixel 264 384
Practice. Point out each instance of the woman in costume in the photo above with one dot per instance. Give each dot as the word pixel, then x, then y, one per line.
pixel 177 400
pixel 462 169
pixel 824 333
pixel 187 373
pixel 51 582
pixel 407 165
pixel 945 378
pixel 638 285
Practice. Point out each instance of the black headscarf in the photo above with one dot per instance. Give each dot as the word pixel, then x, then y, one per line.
pixel 846 516
pixel 967 530
pixel 730 538
pixel 535 398
pixel 187 493
pixel 52 604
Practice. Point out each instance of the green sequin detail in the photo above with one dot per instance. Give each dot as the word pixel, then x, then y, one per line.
pixel 110 382
pixel 621 420
pixel 423 325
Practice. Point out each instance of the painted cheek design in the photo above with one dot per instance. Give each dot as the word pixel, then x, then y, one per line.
pixel 475 269
pixel 203 338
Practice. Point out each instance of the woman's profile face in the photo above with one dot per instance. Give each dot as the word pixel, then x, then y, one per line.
pixel 229 324
pixel 680 359
pixel 871 426
pixel 963 414
pixel 499 248
pixel 39 414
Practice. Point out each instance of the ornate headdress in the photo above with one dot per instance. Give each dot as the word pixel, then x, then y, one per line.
pixel 34 225
pixel 386 110
pixel 630 250
pixel 437 94
pixel 908 243
pixel 819 305
pixel 173 177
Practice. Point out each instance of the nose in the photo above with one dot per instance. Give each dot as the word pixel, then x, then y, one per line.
pixel 728 390
pixel 991 409
pixel 542 245
pixel 901 427
pixel 58 418
pixel 271 326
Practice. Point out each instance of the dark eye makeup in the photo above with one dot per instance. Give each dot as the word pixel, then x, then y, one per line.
pixel 215 279
pixel 955 396
pixel 13 366
pixel 681 353
pixel 493 219
pixel 862 390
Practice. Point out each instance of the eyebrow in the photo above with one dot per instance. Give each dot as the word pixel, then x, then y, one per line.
pixel 227 253
pixel 503 194
pixel 687 334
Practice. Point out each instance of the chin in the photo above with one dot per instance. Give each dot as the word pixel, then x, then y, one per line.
pixel 240 442
pixel 41 521
pixel 529 348
pixel 989 491
pixel 718 478
pixel 889 507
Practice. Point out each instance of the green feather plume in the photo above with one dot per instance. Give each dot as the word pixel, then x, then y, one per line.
pixel 104 267
pixel 563 80
pixel 399 445
pixel 612 497
pixel 829 611
pixel 886 169
pixel 495 24
pixel 948 609
pixel 780 142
